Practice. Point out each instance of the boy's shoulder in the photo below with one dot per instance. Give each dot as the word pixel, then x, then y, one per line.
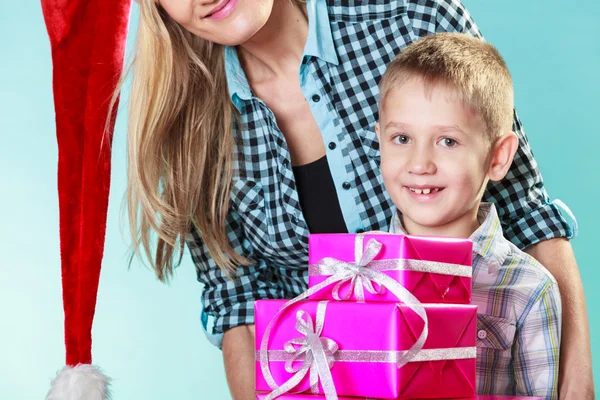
pixel 518 259
pixel 519 309
pixel 525 272
pixel 506 280
pixel 500 254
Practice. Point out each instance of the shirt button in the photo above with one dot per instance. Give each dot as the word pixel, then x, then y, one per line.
pixel 346 185
pixel 481 334
pixel 285 162
pixel 316 98
pixel 332 145
pixel 295 219
pixel 360 230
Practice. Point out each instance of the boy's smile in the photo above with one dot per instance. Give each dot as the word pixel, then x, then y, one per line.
pixel 435 156
pixel 424 193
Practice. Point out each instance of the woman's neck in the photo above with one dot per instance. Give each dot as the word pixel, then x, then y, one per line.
pixel 276 50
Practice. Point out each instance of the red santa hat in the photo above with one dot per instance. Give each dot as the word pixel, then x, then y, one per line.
pixel 87 39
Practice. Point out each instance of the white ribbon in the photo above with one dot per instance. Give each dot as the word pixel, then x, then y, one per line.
pixel 352 271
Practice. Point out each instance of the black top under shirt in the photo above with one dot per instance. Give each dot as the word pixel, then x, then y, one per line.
pixel 318 198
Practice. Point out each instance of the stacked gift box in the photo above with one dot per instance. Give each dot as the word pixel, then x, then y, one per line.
pixel 385 317
pixel 478 397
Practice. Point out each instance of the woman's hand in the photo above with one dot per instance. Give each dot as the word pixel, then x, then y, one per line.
pixel 238 356
pixel 576 381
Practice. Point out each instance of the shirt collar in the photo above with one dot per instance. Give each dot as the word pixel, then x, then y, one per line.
pixel 488 239
pixel 319 43
pixel 236 78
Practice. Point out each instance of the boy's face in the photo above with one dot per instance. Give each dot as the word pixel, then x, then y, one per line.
pixel 434 155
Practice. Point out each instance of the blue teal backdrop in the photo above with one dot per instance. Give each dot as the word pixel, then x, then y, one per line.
pixel 147 336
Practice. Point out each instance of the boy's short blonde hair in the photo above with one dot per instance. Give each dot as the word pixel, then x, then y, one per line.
pixel 470 66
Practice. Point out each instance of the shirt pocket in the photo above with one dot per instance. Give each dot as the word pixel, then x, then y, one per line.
pixel 268 230
pixel 249 201
pixel 495 338
pixel 356 11
pixel 370 143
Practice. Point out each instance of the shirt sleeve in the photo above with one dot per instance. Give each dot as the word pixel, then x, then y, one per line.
pixel 526 213
pixel 537 346
pixel 230 300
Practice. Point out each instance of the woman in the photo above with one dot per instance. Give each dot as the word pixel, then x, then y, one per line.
pixel 252 124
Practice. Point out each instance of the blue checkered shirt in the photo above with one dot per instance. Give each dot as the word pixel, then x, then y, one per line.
pixel 518 314
pixel 349 44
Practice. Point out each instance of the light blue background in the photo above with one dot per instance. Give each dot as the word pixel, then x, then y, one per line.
pixel 147 336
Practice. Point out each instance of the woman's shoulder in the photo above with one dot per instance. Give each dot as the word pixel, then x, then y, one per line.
pixel 421 17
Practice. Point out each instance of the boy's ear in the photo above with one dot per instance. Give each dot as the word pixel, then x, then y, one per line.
pixel 377 131
pixel 502 154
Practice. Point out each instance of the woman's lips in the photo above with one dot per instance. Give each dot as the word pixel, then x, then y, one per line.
pixel 223 10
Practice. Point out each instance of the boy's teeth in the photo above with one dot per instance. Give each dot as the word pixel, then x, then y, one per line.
pixel 425 191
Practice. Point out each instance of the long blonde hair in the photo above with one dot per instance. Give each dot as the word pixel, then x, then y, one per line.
pixel 181 145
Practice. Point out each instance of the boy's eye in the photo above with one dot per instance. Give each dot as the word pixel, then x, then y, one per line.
pixel 401 139
pixel 448 142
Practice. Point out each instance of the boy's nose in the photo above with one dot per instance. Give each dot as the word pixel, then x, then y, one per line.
pixel 421 162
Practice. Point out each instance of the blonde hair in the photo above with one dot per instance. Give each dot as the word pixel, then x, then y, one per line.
pixel 470 66
pixel 180 142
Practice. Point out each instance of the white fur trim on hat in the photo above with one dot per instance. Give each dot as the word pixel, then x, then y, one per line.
pixel 82 382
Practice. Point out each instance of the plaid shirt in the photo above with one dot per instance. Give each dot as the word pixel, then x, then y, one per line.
pixel 519 315
pixel 350 42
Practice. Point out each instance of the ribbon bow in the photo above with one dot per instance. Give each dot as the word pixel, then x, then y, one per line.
pixel 355 273
pixel 315 349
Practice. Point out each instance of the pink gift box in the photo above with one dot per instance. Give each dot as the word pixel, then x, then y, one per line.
pixel 260 396
pixel 427 287
pixel 382 327
pixel 498 397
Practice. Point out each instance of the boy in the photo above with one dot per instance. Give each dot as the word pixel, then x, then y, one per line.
pixel 445 129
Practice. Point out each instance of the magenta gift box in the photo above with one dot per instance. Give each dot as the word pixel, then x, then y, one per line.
pixel 380 327
pixel 427 287
pixel 498 397
pixel 260 396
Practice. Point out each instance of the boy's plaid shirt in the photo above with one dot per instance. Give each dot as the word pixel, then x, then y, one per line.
pixel 356 39
pixel 519 315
